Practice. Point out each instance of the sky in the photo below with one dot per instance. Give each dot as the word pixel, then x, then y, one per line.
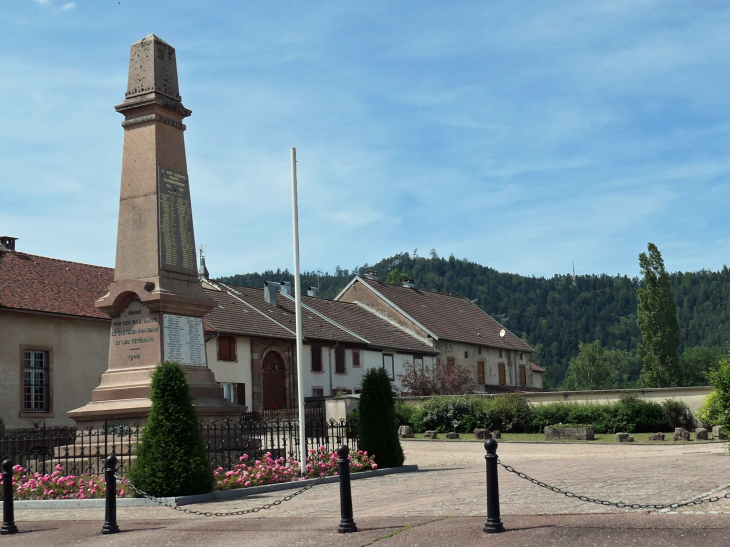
pixel 519 135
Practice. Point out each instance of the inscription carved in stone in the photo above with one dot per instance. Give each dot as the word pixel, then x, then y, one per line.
pixel 135 336
pixel 184 340
pixel 177 243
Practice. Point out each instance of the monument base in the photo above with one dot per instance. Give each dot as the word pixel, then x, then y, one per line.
pixel 136 411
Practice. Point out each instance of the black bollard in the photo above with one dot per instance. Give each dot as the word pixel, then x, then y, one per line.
pixel 494 523
pixel 347 524
pixel 8 513
pixel 110 516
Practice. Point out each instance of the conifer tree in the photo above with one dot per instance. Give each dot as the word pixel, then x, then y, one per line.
pixel 171 459
pixel 657 320
pixel 378 425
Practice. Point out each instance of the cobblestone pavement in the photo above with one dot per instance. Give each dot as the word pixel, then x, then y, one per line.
pixel 451 482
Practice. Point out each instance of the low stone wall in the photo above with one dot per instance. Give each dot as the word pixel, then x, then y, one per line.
pixel 692 396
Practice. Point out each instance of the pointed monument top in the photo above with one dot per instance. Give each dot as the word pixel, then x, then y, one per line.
pixel 152 69
pixel 153 37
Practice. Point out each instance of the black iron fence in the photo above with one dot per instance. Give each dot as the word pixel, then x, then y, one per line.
pixel 228 440
pixel 82 452
pixel 76 451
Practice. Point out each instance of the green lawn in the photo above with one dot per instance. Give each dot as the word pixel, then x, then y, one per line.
pixel 540 437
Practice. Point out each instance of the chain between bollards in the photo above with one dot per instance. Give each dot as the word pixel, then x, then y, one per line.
pixel 494 522
pixel 347 524
pixel 8 513
pixel 110 515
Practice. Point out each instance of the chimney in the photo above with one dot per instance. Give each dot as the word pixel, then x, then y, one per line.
pixel 270 290
pixel 371 274
pixel 7 244
pixel 285 287
pixel 202 271
pixel 408 282
pixel 312 291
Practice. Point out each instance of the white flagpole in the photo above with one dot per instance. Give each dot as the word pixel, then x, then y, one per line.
pixel 298 308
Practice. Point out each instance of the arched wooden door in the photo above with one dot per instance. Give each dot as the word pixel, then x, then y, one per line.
pixel 274 381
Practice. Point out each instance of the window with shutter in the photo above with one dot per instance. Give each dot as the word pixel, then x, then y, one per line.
pixel 340 360
pixel 316 358
pixel 480 372
pixel 502 375
pixel 241 394
pixel 450 364
pixel 227 348
pixel 523 375
pixel 356 358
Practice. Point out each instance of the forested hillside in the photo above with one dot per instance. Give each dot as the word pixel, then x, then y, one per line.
pixel 553 314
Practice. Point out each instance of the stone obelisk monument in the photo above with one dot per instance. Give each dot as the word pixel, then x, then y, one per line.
pixel 156 302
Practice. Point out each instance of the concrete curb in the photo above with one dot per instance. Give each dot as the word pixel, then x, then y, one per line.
pixel 203 498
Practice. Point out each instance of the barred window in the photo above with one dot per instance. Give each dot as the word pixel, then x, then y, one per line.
pixel 36 381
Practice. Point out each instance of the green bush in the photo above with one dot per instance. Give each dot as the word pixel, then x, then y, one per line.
pixel 410 415
pixel 378 429
pixel 634 415
pixel 720 378
pixel 171 459
pixel 710 410
pixel 458 413
pixel 678 413
pixel 512 413
pixel 566 413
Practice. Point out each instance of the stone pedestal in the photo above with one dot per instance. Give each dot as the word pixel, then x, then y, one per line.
pixel 156 302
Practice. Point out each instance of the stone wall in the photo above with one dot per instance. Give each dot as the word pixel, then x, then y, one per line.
pixel 692 396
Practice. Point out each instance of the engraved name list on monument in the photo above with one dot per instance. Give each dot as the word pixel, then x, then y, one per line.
pixel 135 334
pixel 184 341
pixel 177 244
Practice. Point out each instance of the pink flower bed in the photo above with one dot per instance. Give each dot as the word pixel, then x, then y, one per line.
pixel 35 486
pixel 320 463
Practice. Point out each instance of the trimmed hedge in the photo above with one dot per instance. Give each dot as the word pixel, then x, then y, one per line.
pixel 513 413
pixel 378 422
pixel 171 459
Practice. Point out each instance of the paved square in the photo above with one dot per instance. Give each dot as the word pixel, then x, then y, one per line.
pixel 449 485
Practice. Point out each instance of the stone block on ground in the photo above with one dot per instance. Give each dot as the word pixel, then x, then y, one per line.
pixel 656 437
pixel 496 434
pixel 554 433
pixel 681 434
pixel 430 435
pixel 481 434
pixel 717 432
pixel 405 432
pixel 701 434
pixel 452 435
pixel 624 438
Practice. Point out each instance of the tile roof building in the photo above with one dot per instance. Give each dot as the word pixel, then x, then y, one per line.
pixel 341 341
pixel 54 344
pixel 461 331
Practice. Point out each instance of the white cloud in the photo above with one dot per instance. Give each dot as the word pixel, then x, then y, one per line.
pixel 43 2
pixel 68 6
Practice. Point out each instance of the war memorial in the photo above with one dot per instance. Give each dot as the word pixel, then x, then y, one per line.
pixel 156 302
pixel 156 306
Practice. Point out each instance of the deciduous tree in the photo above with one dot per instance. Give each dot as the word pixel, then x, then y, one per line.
pixel 657 320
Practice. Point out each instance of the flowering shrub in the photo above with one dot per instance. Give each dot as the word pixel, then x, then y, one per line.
pixel 36 486
pixel 320 463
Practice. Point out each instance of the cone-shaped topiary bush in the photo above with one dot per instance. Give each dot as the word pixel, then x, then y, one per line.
pixel 171 459
pixel 378 428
